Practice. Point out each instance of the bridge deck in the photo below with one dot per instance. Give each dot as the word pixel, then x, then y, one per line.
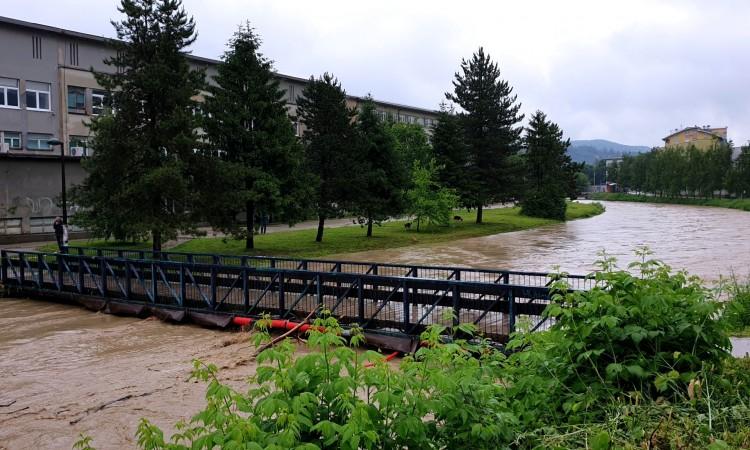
pixel 396 298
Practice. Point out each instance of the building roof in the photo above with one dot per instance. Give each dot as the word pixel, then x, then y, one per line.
pixel 709 131
pixel 202 59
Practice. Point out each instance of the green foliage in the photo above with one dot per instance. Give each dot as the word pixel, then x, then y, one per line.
pixel 737 309
pixel 428 201
pixel 412 143
pixel 144 156
pixel 549 171
pixel 328 139
pixel 682 171
pixel 638 362
pixel 489 123
pixel 382 175
pixel 253 163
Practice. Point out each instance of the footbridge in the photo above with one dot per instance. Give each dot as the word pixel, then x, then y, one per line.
pixel 213 289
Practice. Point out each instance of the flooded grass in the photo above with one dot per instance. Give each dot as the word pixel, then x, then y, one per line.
pixel 301 243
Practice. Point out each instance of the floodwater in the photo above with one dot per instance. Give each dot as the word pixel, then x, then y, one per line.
pixel 708 242
pixel 65 370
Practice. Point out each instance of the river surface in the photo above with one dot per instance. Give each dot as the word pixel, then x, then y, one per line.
pixel 708 242
pixel 65 370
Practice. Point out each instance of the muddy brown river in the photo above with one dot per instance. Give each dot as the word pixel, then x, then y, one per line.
pixel 65 370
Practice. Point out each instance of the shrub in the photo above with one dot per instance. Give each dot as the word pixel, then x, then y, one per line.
pixel 737 309
pixel 545 204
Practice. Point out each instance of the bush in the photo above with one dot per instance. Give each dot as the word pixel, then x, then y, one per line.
pixel 737 309
pixel 544 204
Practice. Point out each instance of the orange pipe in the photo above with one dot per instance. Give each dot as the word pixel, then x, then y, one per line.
pixel 289 325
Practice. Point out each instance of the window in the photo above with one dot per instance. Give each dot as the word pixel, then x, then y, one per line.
pixel 76 100
pixel 9 92
pixel 38 141
pixel 12 138
pixel 98 102
pixel 79 145
pixel 37 96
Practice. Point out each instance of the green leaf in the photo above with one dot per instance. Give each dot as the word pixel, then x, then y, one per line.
pixel 601 441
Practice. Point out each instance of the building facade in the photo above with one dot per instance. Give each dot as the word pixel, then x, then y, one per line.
pixel 48 91
pixel 700 137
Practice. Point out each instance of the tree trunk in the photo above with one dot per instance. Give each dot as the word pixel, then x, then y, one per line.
pixel 369 227
pixel 250 221
pixel 156 243
pixel 479 214
pixel 321 223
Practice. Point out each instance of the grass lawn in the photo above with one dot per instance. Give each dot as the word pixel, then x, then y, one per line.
pixel 348 239
pixel 742 204
pixel 301 243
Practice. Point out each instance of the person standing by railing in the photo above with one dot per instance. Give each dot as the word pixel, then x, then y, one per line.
pixel 57 225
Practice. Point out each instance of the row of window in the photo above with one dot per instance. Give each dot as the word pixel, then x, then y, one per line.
pixel 39 141
pixel 78 100
pixel 37 94
pixel 386 116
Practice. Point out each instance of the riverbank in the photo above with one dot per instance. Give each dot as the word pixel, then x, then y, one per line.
pixel 741 204
pixel 393 234
pixel 389 235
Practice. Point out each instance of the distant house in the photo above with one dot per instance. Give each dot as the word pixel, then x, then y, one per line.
pixel 701 137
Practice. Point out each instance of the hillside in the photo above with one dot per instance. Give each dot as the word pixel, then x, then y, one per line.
pixel 589 151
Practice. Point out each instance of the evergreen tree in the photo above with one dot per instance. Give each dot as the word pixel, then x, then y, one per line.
pixel 140 179
pixel 382 176
pixel 452 155
pixel 547 170
pixel 329 140
pixel 490 121
pixel 257 158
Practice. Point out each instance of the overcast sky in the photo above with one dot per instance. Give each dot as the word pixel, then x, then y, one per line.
pixel 628 71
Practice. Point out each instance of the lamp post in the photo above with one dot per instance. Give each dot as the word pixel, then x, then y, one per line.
pixel 54 142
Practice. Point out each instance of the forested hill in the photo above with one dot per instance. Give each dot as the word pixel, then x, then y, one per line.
pixel 591 150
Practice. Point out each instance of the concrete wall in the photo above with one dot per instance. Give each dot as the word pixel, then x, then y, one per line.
pixel 30 191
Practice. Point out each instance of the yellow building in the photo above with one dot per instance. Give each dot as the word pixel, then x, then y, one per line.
pixel 700 137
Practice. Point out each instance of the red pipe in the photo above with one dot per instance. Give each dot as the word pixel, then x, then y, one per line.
pixel 288 325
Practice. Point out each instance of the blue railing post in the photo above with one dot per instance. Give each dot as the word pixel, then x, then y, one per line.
pixel 245 287
pixel 213 288
pixel 360 302
pixel 407 306
pixel 511 312
pixel 154 290
pixel 22 268
pixel 60 272
pixel 282 294
pixel 3 266
pixel 319 291
pixel 40 269
pixel 456 305
pixel 128 289
pixel 103 272
pixel 81 276
pixel 183 286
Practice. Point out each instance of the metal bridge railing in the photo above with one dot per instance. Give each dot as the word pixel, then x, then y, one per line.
pixel 405 304
pixel 578 282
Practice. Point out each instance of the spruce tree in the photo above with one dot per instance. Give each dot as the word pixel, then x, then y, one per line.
pixel 382 175
pixel 548 177
pixel 140 179
pixel 330 147
pixel 490 121
pixel 452 154
pixel 257 160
